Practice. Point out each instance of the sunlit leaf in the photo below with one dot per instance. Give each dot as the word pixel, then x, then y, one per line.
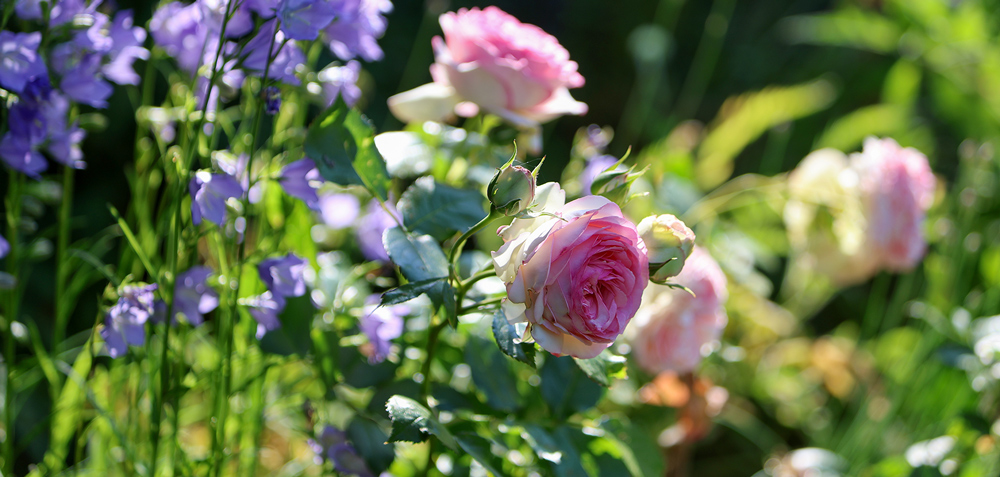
pixel 418 257
pixel 439 210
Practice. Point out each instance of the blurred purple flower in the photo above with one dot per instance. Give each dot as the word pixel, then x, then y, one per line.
pixel 4 247
pixel 63 11
pixel 265 308
pixel 332 445
pixel 358 25
pixel 127 41
pixel 192 295
pixel 382 324
pixel 38 121
pixel 301 179
pixel 124 324
pixel 236 166
pixel 19 60
pixel 81 74
pixel 183 31
pixel 342 81
pixel 284 276
pixel 370 229
pixel 209 193
pixel 272 100
pixel 595 166
pixel 303 19
pixel 284 61
pixel 339 210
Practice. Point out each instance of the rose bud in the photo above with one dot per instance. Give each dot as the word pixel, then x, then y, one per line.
pixel 669 243
pixel 512 189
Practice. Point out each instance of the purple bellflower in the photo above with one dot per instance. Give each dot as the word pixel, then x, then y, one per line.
pixel 332 445
pixel 265 308
pixel 4 247
pixel 19 60
pixel 209 193
pixel 300 179
pixel 125 322
pixel 341 81
pixel 192 295
pixel 339 210
pixel 382 324
pixel 358 25
pixel 284 276
pixel 38 121
pixel 370 229
pixel 303 19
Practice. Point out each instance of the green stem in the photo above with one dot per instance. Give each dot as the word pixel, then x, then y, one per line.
pixel 13 301
pixel 482 304
pixel 62 270
pixel 466 285
pixel 425 368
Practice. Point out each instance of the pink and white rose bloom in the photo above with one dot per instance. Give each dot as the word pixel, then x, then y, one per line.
pixel 897 187
pixel 505 67
pixel 574 274
pixel 672 328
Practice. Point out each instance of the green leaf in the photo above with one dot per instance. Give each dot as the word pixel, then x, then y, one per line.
pixel 69 410
pixel 565 388
pixel 604 368
pixel 557 448
pixel 419 258
pixel 370 442
pixel 439 210
pixel 342 143
pixel 411 421
pixel 326 349
pixel 492 375
pixel 409 291
pixel 509 342
pixel 479 448
pixel 639 450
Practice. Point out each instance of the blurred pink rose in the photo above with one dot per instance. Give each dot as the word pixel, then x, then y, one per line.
pixel 505 67
pixel 672 327
pixel 577 278
pixel 897 187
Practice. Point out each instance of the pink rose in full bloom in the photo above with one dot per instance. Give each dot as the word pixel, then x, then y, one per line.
pixel 575 274
pixel 505 67
pixel 897 187
pixel 672 327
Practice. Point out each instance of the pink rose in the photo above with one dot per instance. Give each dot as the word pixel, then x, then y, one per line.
pixel 672 327
pixel 507 68
pixel 574 274
pixel 897 187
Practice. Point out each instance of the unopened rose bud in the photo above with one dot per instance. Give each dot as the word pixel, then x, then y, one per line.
pixel 512 189
pixel 668 244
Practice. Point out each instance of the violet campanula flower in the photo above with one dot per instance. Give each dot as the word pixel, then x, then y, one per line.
pixel 236 166
pixel 265 308
pixel 124 325
pixel 382 324
pixel 341 81
pixel 192 295
pixel 38 121
pixel 339 210
pixel 285 56
pixel 358 25
pixel 126 47
pixel 370 229
pixel 332 445
pixel 284 276
pixel 19 60
pixel 208 196
pixel 81 74
pixel 184 33
pixel 4 247
pixel 303 19
pixel 300 179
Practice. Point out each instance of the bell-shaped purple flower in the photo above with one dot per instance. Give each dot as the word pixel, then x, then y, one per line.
pixel 209 193
pixel 301 179
pixel 38 121
pixel 303 19
pixel 285 55
pixel 382 324
pixel 124 325
pixel 341 81
pixel 4 247
pixel 192 295
pixel 358 25
pixel 127 41
pixel 81 74
pixel 184 32
pixel 284 276
pixel 19 60
pixel 265 308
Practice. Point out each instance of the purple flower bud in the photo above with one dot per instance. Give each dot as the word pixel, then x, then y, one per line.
pixel 209 193
pixel 272 100
pixel 284 276
pixel 303 19
pixel 19 59
pixel 265 308
pixel 192 295
pixel 125 322
pixel 301 179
